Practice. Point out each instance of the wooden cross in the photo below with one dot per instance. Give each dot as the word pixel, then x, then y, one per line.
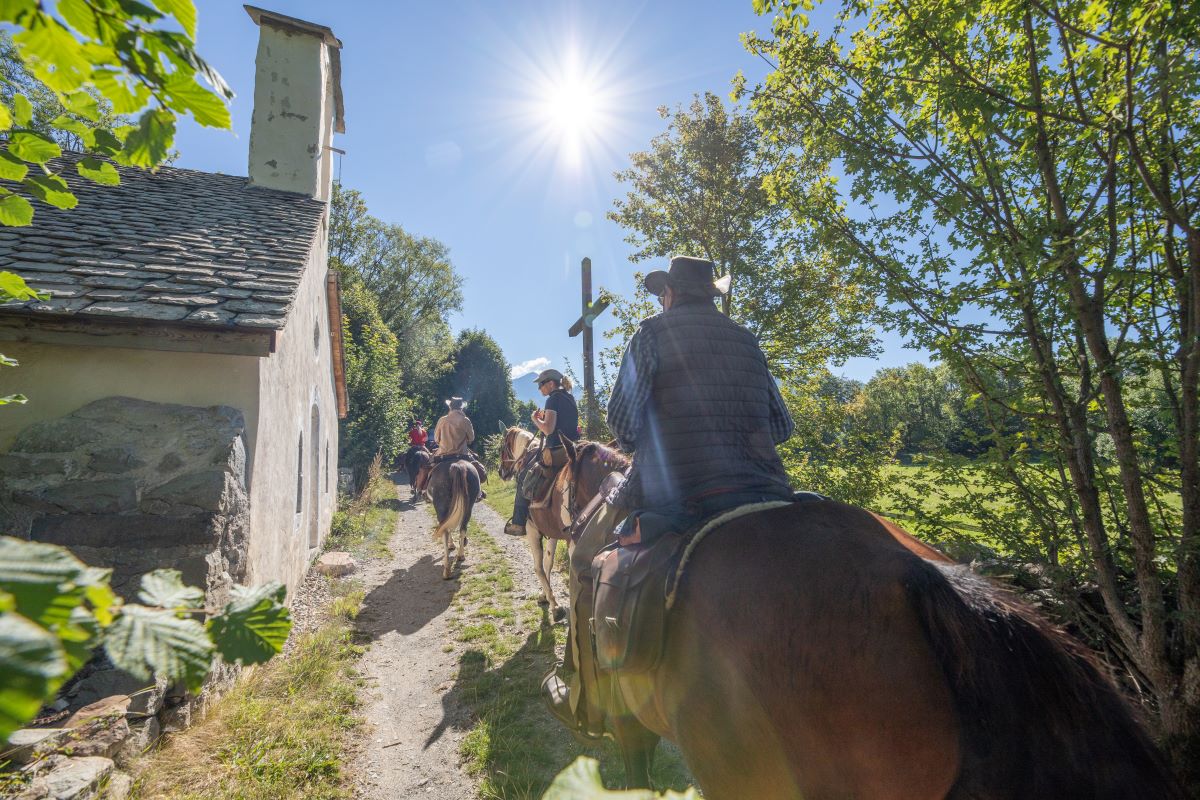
pixel 584 325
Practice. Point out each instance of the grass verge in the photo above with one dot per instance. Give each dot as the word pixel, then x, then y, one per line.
pixel 505 644
pixel 283 730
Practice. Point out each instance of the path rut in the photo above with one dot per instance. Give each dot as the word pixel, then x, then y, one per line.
pixel 411 748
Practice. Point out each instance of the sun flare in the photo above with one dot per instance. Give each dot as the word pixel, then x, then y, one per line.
pixel 573 109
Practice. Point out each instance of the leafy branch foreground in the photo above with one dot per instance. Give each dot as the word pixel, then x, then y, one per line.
pixel 55 611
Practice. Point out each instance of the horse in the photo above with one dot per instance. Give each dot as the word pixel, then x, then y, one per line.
pixel 453 487
pixel 545 526
pixel 414 460
pixel 817 650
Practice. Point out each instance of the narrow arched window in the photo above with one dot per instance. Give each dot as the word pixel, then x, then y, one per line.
pixel 300 474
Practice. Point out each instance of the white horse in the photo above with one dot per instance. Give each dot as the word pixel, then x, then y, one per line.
pixel 542 548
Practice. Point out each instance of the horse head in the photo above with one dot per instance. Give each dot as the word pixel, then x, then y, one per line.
pixel 588 464
pixel 512 448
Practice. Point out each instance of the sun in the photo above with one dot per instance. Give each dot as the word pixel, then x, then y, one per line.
pixel 571 106
pixel 574 108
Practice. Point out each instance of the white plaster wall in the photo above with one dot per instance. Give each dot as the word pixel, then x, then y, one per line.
pixel 293 114
pixel 292 380
pixel 58 379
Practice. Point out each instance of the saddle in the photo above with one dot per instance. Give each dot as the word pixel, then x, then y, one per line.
pixel 634 589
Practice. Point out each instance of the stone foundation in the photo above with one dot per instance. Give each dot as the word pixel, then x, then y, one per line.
pixel 135 486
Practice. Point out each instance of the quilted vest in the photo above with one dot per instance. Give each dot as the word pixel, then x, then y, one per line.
pixel 708 419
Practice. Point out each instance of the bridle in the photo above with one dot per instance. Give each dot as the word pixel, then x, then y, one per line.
pixel 508 458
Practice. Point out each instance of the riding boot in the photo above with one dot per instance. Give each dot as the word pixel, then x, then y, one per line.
pixel 571 689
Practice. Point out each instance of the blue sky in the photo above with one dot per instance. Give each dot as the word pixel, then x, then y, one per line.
pixel 456 128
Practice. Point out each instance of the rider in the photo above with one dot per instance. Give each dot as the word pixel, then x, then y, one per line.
pixel 696 404
pixel 558 420
pixel 417 435
pixel 453 433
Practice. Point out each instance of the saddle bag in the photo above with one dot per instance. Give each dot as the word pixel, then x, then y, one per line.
pixel 630 606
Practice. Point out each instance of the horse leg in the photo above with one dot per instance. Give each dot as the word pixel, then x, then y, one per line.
pixel 637 744
pixel 558 613
pixel 446 561
pixel 462 546
pixel 533 540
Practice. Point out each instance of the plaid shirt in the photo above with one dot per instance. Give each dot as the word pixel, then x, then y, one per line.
pixel 635 379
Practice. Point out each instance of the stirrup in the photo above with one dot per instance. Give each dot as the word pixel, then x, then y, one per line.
pixel 557 696
pixel 513 529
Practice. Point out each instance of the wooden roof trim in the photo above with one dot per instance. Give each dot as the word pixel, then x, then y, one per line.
pixel 137 334
pixel 337 347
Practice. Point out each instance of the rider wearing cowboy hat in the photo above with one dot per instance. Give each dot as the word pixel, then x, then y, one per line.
pixel 698 408
pixel 453 433
pixel 559 419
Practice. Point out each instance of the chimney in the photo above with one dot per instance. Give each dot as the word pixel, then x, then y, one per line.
pixel 297 104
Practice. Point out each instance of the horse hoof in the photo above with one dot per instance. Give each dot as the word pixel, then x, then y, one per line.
pixel 446 575
pixel 543 601
pixel 560 614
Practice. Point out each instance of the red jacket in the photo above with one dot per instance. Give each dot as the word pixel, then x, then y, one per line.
pixel 418 436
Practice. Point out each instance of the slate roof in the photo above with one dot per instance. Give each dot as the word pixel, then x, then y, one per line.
pixel 178 245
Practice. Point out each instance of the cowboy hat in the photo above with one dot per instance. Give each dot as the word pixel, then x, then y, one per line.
pixel 456 402
pixel 687 274
pixel 548 375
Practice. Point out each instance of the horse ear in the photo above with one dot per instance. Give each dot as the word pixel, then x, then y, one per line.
pixel 572 451
pixel 503 429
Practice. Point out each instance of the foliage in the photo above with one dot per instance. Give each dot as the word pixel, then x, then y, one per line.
pixel 54 610
pixel 378 411
pixel 284 730
pixel 699 190
pixel 1020 187
pixel 580 780
pixel 832 451
pixel 99 60
pixel 13 287
pixel 478 373
pixel 414 285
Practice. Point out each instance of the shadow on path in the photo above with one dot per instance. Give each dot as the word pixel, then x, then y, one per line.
pixel 408 600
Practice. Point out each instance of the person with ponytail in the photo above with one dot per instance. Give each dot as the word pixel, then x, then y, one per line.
pixel 559 419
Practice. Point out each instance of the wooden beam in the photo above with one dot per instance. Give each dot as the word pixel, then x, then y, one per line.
pixel 333 300
pixel 135 334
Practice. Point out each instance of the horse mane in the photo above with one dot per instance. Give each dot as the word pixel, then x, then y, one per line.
pixel 607 456
pixel 1001 659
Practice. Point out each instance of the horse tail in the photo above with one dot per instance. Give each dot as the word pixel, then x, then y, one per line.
pixel 1037 715
pixel 460 498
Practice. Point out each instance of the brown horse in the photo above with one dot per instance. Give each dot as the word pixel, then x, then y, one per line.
pixel 453 487
pixel 816 650
pixel 416 460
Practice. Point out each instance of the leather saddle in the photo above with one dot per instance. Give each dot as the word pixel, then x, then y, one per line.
pixel 629 610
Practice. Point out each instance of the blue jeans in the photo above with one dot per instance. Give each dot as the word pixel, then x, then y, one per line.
pixel 520 508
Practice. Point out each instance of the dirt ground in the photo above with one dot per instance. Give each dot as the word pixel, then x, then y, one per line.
pixel 410 748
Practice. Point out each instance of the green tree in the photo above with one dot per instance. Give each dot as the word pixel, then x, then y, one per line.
pixel 99 60
pixel 1020 186
pixel 379 410
pixel 478 373
pixel 699 190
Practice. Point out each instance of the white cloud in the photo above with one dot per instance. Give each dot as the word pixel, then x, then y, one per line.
pixel 525 367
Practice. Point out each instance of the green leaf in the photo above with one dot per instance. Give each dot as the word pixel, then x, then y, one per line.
pixel 106 143
pixel 83 104
pixel 72 125
pixel 187 95
pixel 80 16
pixel 13 398
pixel 150 142
pixel 42 578
pixel 254 626
pixel 13 286
pixel 15 211
pixel 22 110
pixel 145 642
pixel 182 10
pixel 35 147
pixel 11 167
pixel 51 189
pixel 32 667
pixel 124 100
pixel 581 781
pixel 6 120
pixel 165 588
pixel 53 54
pixel 98 171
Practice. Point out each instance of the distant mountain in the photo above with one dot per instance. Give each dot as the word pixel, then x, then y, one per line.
pixel 525 390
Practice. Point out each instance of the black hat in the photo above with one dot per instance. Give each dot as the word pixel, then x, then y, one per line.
pixel 687 273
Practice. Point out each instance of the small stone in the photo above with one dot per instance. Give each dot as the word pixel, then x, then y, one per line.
pixel 109 706
pixel 100 737
pixel 71 779
pixel 23 745
pixel 142 737
pixel 118 787
pixel 335 564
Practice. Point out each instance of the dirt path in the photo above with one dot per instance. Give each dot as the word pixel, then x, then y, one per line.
pixel 415 727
